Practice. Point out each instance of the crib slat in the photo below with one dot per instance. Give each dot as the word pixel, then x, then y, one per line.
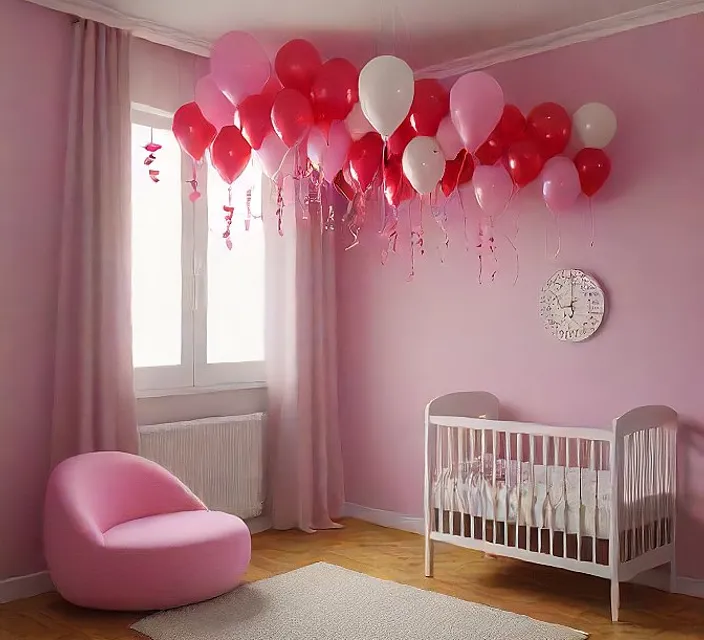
pixel 532 479
pixel 494 495
pixel 450 503
pixel 592 467
pixel 440 475
pixel 507 483
pixel 461 454
pixel 547 513
pixel 658 488
pixel 519 484
pixel 472 436
pixel 579 506
pixel 483 497
pixel 643 464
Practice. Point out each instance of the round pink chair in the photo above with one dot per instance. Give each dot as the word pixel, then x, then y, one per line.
pixel 122 533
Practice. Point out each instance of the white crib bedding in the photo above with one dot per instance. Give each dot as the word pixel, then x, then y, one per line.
pixel 550 495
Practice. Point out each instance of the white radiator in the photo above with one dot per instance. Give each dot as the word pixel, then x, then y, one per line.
pixel 220 459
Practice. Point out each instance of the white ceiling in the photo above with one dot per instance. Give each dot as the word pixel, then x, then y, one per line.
pixel 425 32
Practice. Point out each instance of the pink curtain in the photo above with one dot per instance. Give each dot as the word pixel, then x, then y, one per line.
pixel 94 404
pixel 305 486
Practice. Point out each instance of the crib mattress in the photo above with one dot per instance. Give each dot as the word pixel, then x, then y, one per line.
pixel 562 498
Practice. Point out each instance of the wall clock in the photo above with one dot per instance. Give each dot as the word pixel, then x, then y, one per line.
pixel 572 305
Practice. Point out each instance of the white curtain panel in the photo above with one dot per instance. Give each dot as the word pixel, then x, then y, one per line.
pixel 304 466
pixel 94 404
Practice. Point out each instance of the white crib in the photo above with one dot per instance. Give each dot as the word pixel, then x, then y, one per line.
pixel 596 501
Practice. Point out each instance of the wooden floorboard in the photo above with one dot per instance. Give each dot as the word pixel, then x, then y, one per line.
pixel 547 594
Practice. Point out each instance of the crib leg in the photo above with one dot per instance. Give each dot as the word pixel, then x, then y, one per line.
pixel 615 599
pixel 429 556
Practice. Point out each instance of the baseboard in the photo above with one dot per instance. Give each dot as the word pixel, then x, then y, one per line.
pixel 658 579
pixel 25 586
pixel 690 587
pixel 387 519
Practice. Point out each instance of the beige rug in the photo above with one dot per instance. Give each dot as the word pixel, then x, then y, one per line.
pixel 325 602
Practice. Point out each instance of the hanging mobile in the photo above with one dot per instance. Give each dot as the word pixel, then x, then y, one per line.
pixel 152 147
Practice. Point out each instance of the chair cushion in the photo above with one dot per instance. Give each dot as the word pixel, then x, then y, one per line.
pixel 175 530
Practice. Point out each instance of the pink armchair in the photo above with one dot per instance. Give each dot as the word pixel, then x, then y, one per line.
pixel 122 533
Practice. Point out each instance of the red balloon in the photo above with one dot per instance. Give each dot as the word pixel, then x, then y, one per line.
pixel 491 151
pixel 272 88
pixel 193 132
pixel 335 90
pixel 431 103
pixel 458 171
pixel 594 168
pixel 343 187
pixel 291 116
pixel 397 189
pixel 296 64
pixel 365 159
pixel 230 153
pixel 511 128
pixel 254 116
pixel 550 126
pixel 524 162
pixel 399 139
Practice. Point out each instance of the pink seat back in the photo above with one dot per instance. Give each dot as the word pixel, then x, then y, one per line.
pixel 96 491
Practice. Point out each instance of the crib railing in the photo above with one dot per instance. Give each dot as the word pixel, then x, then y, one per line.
pixel 637 503
pixel 648 495
pixel 628 474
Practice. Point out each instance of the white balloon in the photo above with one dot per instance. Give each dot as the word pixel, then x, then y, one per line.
pixel 386 92
pixel 357 123
pixel 423 163
pixel 595 125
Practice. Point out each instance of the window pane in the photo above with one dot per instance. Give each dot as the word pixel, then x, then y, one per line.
pixel 156 251
pixel 236 276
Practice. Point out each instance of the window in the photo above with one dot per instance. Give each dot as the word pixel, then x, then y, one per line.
pixel 197 306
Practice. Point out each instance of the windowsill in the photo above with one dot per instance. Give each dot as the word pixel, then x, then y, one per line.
pixel 192 391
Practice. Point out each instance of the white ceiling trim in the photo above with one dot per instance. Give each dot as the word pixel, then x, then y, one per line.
pixel 653 14
pixel 139 27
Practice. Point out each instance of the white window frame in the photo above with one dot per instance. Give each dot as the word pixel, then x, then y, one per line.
pixel 194 372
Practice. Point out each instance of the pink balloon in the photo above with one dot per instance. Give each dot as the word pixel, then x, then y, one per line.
pixel 239 65
pixel 493 188
pixel 561 186
pixel 329 155
pixel 476 105
pixel 216 108
pixel 271 154
pixel 448 139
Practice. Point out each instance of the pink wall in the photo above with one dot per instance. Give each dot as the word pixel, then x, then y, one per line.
pixel 404 343
pixel 34 62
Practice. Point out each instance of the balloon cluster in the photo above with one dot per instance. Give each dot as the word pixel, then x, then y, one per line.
pixel 380 129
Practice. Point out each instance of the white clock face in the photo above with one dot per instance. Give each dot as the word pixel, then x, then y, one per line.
pixel 572 305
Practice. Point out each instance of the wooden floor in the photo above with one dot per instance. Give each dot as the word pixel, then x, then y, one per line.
pixel 547 594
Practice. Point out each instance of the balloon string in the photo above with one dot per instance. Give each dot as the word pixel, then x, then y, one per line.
pixel 486 239
pixel 466 221
pixel 330 220
pixel 558 231
pixel 356 212
pixel 592 224
pixel 248 219
pixel 515 250
pixel 383 186
pixel 492 248
pixel 391 232
pixel 229 212
pixel 440 216
pixel 280 210
pixel 195 194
